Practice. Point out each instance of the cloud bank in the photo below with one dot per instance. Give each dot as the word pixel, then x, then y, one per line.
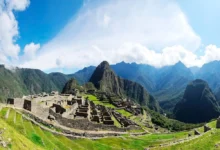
pixel 154 32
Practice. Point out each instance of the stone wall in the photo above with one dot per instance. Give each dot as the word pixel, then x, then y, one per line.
pixel 27 105
pixel 84 124
pixel 38 110
pixel 18 102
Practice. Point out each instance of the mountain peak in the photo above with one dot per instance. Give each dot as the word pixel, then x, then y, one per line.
pixel 104 64
pixel 180 64
pixel 105 80
pixel 102 72
pixel 199 101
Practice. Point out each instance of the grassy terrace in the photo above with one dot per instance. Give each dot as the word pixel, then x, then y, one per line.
pixel 25 135
pixel 97 101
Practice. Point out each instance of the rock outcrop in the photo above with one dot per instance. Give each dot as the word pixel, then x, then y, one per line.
pixel 198 104
pixel 105 80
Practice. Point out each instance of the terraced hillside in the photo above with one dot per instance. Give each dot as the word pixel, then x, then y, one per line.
pixel 20 133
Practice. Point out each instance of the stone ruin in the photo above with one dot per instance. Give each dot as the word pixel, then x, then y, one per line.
pixel 27 105
pixel 72 111
pixel 83 108
pixel 206 128
pixel 58 108
pixel 196 132
pixel 134 111
pixel 105 115
pixel 10 101
pixel 218 122
pixel 95 115
pixel 123 120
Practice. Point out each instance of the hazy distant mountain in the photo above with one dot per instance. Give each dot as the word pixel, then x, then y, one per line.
pixel 194 70
pixel 210 72
pixel 198 103
pixel 171 82
pixel 106 80
pixel 83 76
pixel 143 74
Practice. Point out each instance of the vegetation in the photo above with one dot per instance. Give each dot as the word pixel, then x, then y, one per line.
pixel 197 98
pixel 25 135
pixel 98 102
pixel 172 125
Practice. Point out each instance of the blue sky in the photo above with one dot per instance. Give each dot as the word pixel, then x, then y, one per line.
pixel 66 35
pixel 43 19
pixel 203 17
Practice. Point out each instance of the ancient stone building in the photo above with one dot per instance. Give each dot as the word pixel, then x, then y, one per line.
pixel 206 128
pixel 10 101
pixel 58 109
pixel 218 123
pixel 27 104
pixel 196 132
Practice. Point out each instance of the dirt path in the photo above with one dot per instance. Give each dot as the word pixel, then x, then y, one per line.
pixel 8 111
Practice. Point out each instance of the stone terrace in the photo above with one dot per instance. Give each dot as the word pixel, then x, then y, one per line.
pixel 71 111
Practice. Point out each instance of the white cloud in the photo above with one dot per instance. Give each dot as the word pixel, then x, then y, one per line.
pixel 18 5
pixel 9 28
pixel 30 51
pixel 212 52
pixel 143 31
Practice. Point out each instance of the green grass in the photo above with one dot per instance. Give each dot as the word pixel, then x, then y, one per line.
pixel 206 142
pixel 18 140
pixel 11 116
pixel 98 102
pixel 124 112
pixel 116 123
pixel 3 112
pixel 31 133
pixel 26 135
pixel 47 142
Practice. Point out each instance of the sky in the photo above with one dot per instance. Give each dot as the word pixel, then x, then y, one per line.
pixel 67 35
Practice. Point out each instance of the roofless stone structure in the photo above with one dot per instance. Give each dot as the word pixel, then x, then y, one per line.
pixel 72 111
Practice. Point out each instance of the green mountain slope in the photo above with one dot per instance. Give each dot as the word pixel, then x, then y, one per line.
pixel 107 81
pixel 19 82
pixel 198 104
pixel 10 84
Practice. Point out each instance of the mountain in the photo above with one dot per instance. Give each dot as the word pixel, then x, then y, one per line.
pixel 166 84
pixel 194 69
pixel 105 80
pixel 143 74
pixel 170 84
pixel 83 76
pixel 35 80
pixel 210 72
pixel 198 103
pixel 21 81
pixel 59 79
pixel 10 84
